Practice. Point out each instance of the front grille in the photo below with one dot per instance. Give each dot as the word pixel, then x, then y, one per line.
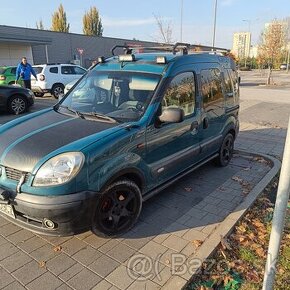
pixel 15 174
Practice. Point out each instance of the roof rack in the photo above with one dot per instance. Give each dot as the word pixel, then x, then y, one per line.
pixel 181 47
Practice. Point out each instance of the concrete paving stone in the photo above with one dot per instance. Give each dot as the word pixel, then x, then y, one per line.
pixel 225 204
pixel 56 241
pixel 161 237
pixel 9 229
pixel 209 228
pixel 195 235
pixel 71 272
pixel 143 285
pixel 175 243
pixel 120 278
pixel 183 219
pixel 163 276
pixel 135 242
pixel 95 241
pixel 14 286
pixel 211 208
pixel 85 279
pixel 44 253
pixel 104 265
pixel 153 250
pixel 145 270
pixel 166 258
pixel 103 285
pixel 3 221
pixel 228 196
pixel 109 246
pixel 212 200
pixel 189 249
pixel 29 272
pixel 72 246
pixel 175 282
pixel 7 250
pixel 176 229
pixel 20 236
pixel 6 278
pixel 63 287
pixel 121 253
pixel 210 219
pixel 197 213
pixel 84 235
pixel 47 281
pixel 195 223
pixel 143 230
pixel 15 261
pixel 60 264
pixel 224 213
pixel 87 255
pixel 2 241
pixel 32 244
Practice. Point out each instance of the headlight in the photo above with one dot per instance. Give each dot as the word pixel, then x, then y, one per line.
pixel 59 169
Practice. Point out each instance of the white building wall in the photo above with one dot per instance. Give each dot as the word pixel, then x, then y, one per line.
pixel 11 54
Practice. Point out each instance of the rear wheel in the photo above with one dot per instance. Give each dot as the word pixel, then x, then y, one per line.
pixel 57 90
pixel 226 151
pixel 17 105
pixel 118 209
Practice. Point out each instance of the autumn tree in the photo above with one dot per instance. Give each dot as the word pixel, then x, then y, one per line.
pixel 273 44
pixel 39 25
pixel 164 30
pixel 59 21
pixel 92 24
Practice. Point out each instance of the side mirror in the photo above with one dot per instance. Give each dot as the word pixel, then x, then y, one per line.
pixel 172 115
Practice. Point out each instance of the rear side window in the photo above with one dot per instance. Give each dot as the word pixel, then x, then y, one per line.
pixel 13 70
pixel 229 90
pixel 67 70
pixel 53 70
pixel 2 70
pixel 211 89
pixel 181 93
pixel 38 69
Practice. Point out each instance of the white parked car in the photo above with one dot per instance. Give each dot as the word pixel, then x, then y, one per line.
pixel 52 78
pixel 70 85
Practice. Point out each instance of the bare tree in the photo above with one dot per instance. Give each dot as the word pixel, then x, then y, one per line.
pixel 273 44
pixel 39 25
pixel 164 30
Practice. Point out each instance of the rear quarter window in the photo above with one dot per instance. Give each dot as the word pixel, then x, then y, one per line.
pixel 38 69
pixel 53 70
pixel 13 70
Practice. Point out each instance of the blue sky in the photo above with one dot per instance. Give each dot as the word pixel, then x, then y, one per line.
pixel 135 19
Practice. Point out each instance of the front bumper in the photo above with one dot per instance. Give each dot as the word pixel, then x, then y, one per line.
pixel 70 213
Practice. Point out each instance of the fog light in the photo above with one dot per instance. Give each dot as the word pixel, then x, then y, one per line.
pixel 49 224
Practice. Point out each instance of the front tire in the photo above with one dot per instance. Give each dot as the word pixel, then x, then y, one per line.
pixel 57 90
pixel 118 209
pixel 226 151
pixel 17 105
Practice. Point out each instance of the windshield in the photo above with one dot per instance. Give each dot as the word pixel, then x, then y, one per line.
pixel 2 70
pixel 122 96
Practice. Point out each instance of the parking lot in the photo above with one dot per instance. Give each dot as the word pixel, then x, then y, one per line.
pixel 180 224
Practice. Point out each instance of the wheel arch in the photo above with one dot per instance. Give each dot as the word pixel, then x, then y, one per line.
pixel 132 174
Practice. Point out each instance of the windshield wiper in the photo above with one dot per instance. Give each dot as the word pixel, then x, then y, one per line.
pixel 101 117
pixel 79 114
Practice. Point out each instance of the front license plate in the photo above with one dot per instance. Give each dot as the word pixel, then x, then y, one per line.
pixel 7 209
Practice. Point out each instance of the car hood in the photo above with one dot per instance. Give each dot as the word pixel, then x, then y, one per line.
pixel 23 145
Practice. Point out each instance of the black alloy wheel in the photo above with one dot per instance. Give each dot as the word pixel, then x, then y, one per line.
pixel 17 105
pixel 57 90
pixel 118 209
pixel 226 151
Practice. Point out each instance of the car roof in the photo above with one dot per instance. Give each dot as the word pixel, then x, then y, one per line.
pixel 146 62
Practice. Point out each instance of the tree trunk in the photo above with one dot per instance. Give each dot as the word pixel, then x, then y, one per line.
pixel 269 76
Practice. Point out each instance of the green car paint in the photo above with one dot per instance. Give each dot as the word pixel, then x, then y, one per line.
pixel 8 75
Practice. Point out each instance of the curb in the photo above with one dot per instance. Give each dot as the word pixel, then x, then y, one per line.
pixel 226 226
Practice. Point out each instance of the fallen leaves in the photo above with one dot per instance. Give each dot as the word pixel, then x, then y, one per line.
pixel 42 264
pixel 197 243
pixel 57 248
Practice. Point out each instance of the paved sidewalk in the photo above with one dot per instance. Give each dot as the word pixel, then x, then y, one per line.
pixel 172 227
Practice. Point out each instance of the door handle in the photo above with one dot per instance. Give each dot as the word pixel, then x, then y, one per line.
pixel 205 123
pixel 193 126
